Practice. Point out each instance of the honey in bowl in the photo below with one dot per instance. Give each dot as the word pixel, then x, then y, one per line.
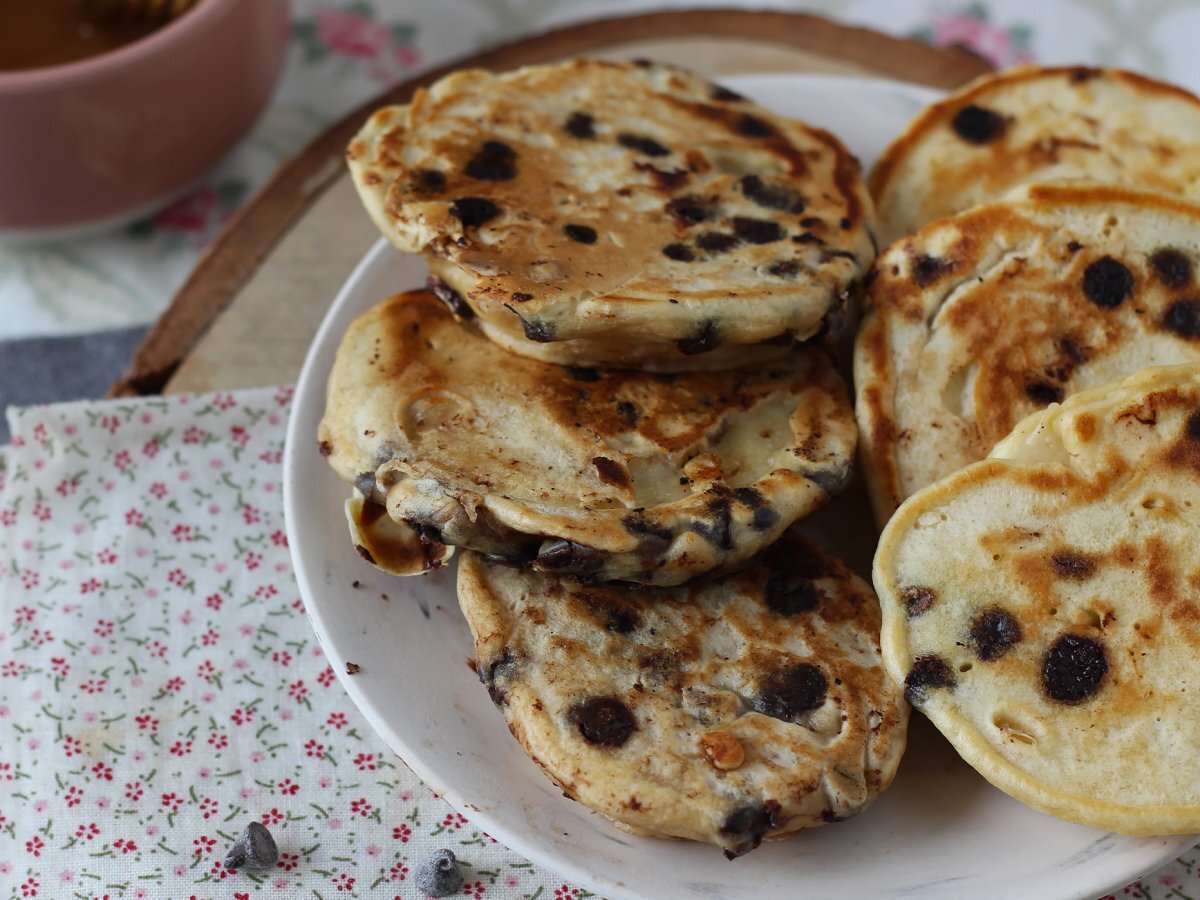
pixel 39 33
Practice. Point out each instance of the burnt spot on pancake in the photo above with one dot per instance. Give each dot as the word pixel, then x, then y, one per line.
pixel 757 231
pixel 620 621
pixel 704 340
pixel 579 373
pixel 717 527
pixel 994 632
pixel 644 145
pixel 1044 393
pixel 1107 282
pixel 325 448
pixel 770 196
pixel 790 595
pixel 791 693
pixel 764 514
pixel 1072 566
pixel 495 161
pixel 453 299
pixel 1182 318
pixel 1074 669
pixel 581 125
pixel 927 672
pixel 651 534
pixel 785 268
pixel 678 252
pixel 667 181
pixel 927 269
pixel 725 95
pixel 569 558
pixel 1171 267
pixel 603 721
pixel 427 181
pixel 753 126
pixel 583 234
pixel 474 211
pixel 690 209
pixel 1083 73
pixel 978 125
pixel 748 825
pixel 917 600
pixel 611 472
pixel 716 242
pixel 521 297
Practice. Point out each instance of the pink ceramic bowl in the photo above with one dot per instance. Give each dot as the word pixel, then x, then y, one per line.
pixel 121 133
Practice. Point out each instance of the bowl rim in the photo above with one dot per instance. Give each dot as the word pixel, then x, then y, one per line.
pixel 161 40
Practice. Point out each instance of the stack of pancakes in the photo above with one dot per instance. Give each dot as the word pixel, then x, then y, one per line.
pixel 615 397
pixel 1042 604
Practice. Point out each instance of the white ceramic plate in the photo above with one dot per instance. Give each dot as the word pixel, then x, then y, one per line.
pixel 939 831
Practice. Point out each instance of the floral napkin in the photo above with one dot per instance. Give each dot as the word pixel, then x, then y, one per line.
pixel 160 686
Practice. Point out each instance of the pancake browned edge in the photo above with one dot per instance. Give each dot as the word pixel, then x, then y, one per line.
pixel 1032 124
pixel 620 214
pixel 727 711
pixel 604 475
pixel 1043 606
pixel 978 320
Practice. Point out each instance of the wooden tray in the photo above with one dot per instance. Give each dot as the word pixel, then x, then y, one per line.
pixel 247 313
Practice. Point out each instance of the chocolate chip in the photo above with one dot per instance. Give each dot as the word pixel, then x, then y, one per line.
pixel 765 515
pixel 791 693
pixel 1107 282
pixel 1192 429
pixel 808 238
pixel 917 600
pixel 645 145
pixel 1074 669
pixel 994 632
pixel 653 536
pixel 521 297
pixel 928 269
pixel 253 849
pixel 717 528
pixel 581 125
pixel 690 209
pixel 325 448
pixel 427 181
pixel 474 211
pixel 495 161
pixel 1084 73
pixel 453 299
pixel 678 252
pixel 605 721
pixel 568 557
pixel 537 331
pixel 724 94
pixel 581 374
pixel 790 595
pixel 977 125
pixel 620 621
pixel 926 672
pixel 846 224
pixel 747 825
pixel 785 268
pixel 757 231
pixel 716 242
pixel 1075 566
pixel 1043 392
pixel 611 472
pixel 1074 246
pixel 628 412
pixel 1183 318
pixel 1173 268
pixel 667 181
pixel 584 234
pixel 701 342
pixel 770 196
pixel 752 126
pixel 364 553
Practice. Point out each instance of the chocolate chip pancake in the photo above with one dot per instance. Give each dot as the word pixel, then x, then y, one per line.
pixel 727 711
pixel 978 320
pixel 1042 607
pixel 617 474
pixel 620 214
pixel 1032 124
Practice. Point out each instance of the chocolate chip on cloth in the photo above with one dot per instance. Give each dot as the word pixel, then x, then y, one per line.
pixel 1043 606
pixel 253 849
pixel 727 711
pixel 606 259
pixel 979 320
pixel 600 474
pixel 1031 124
pixel 438 875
